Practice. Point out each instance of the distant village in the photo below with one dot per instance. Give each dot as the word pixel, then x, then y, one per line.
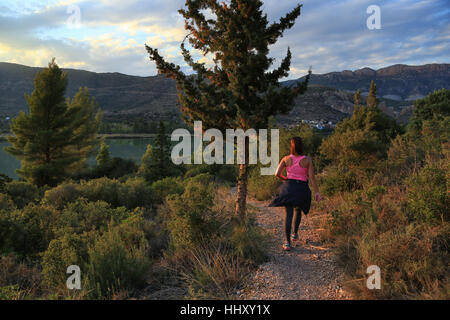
pixel 315 124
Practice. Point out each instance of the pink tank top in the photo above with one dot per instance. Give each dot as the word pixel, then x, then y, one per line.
pixel 295 171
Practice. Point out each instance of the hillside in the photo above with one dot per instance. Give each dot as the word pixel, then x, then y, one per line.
pixel 397 82
pixel 114 92
pixel 330 96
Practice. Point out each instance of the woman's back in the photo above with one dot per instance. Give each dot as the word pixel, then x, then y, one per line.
pixel 294 169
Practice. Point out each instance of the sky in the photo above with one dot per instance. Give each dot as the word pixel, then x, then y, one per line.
pixel 330 35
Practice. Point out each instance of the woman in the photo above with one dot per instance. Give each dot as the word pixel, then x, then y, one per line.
pixel 295 191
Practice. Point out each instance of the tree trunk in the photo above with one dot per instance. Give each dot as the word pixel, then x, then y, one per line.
pixel 241 201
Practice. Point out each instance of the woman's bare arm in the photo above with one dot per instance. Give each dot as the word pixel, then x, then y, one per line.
pixel 312 178
pixel 281 167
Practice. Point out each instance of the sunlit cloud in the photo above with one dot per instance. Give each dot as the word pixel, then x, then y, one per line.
pixel 329 35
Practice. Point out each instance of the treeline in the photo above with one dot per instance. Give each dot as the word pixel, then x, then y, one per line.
pixel 138 124
pixel 387 196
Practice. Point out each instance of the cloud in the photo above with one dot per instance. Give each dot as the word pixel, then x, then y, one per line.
pixel 330 35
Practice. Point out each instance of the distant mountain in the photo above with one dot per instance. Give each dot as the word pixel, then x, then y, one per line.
pixel 397 82
pixel 115 92
pixel 330 96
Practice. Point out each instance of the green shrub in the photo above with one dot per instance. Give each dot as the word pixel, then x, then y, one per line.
pixel 212 271
pixel 22 193
pixel 111 260
pixel 262 187
pixel 250 243
pixel 84 216
pixel 61 195
pixel 190 216
pixel 115 264
pixel 167 186
pixel 221 172
pixel 135 192
pixel 340 180
pixel 6 203
pixel 428 199
pixel 102 189
pixel 114 169
pixel 404 156
pixel 131 194
pixel 30 230
pixel 4 179
pixel 71 249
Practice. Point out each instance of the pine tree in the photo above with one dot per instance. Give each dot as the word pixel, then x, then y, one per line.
pixel 57 135
pixel 362 138
pixel 372 100
pixel 156 162
pixel 104 156
pixel 240 91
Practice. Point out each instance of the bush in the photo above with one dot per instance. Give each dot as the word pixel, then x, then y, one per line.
pixel 190 216
pixel 339 180
pixel 250 243
pixel 22 193
pixel 85 216
pixel 18 280
pixel 212 271
pixel 4 179
pixel 411 268
pixel 61 195
pixel 70 249
pixel 404 157
pixel 133 193
pixel 112 259
pixel 28 231
pixel 167 186
pixel 115 168
pixel 262 187
pixel 428 199
pixel 116 264
pixel 221 172
pixel 6 202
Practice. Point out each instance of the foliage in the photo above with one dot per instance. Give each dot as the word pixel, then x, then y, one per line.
pixel 398 219
pixel 428 198
pixel 22 193
pixel 363 139
pixel 435 106
pixel 135 192
pixel 103 156
pixel 156 162
pixel 3 180
pixel 240 91
pixel 167 186
pixel 56 137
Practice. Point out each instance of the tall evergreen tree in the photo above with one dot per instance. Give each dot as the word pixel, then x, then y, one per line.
pixel 156 162
pixel 239 91
pixel 103 156
pixel 362 138
pixel 57 135
pixel 372 100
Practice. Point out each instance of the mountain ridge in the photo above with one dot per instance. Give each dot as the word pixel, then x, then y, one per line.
pixel 330 96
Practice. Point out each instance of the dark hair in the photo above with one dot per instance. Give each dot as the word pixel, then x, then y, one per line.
pixel 298 146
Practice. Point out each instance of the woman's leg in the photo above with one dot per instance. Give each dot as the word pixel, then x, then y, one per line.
pixel 297 219
pixel 288 223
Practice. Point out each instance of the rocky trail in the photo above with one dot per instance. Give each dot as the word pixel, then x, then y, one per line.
pixel 308 272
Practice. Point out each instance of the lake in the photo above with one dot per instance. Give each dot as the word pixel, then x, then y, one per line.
pixel 132 149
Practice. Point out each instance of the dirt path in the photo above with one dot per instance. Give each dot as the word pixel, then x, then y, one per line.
pixel 308 271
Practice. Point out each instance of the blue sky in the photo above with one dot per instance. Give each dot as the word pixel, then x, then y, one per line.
pixel 330 35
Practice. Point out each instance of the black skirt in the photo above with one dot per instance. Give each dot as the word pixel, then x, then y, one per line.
pixel 293 193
